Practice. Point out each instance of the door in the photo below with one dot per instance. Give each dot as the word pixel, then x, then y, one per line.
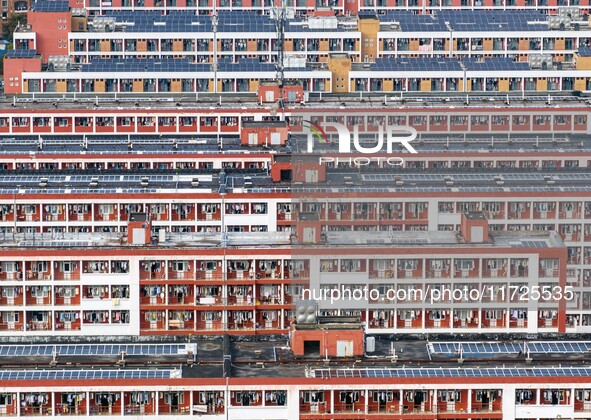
pixel 139 236
pixel 309 235
pixel 477 233
pixel 344 348
pixel 276 138
pixel 311 175
pixel 253 139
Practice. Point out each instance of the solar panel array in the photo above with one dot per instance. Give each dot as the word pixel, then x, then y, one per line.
pixel 21 53
pixel 77 190
pixel 494 64
pixel 16 350
pixel 507 348
pixel 88 374
pixel 300 25
pixel 51 6
pixel 52 244
pixel 529 244
pixel 152 21
pixel 245 64
pixel 240 21
pixel 146 65
pixel 416 64
pixel 453 372
pixel 559 346
pixel 410 22
pixel 518 178
pixel 474 348
pixel 494 20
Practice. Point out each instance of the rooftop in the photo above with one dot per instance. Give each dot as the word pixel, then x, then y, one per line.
pixel 172 241
pixel 408 239
pixel 252 357
pixel 228 22
pixel 51 6
pixel 474 215
pixel 19 53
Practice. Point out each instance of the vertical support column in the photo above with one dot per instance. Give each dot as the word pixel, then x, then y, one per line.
pixel 332 397
pixel 157 405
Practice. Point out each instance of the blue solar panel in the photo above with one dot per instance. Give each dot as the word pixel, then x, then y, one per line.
pixel 21 54
pixel 494 64
pixel 416 64
pixel 16 350
pixel 442 372
pixel 245 64
pixel 410 22
pixel 51 6
pixel 146 65
pixel 18 375
pixel 150 21
pixel 241 21
pixel 546 347
pixel 494 20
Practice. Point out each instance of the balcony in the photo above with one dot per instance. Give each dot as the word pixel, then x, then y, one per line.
pixel 43 410
pixel 74 409
pixel 106 410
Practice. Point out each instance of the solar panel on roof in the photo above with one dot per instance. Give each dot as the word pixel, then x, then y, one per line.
pixel 20 53
pixel 452 372
pixel 90 349
pixel 508 348
pixel 85 374
pixel 51 6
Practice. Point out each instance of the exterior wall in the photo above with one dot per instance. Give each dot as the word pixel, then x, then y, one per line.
pixel 340 66
pixel 15 7
pixel 328 340
pixel 582 62
pixel 369 29
pixel 468 224
pixel 52 32
pixel 13 70
pixel 263 135
pixel 298 406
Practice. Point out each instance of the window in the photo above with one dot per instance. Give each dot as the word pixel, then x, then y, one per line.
pixel 105 208
pixel 464 264
pixel 439 264
pixel 408 264
pixel 549 264
pixel 493 315
pixel 312 396
pixel 382 264
pixel 174 397
pixel 9 266
pixel 349 397
pixel 328 265
pixel 180 265
pixel 10 317
pixel 494 264
pixel 40 291
pixel 450 396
